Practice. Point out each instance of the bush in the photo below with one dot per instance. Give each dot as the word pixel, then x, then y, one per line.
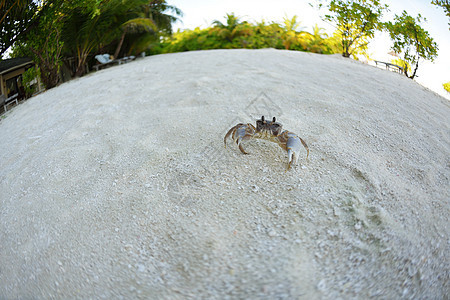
pixel 29 81
pixel 236 34
pixel 447 86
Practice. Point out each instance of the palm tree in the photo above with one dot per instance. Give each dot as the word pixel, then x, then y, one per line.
pixel 231 29
pixel 291 37
pixel 317 40
pixel 86 32
pixel 162 14
pixel 134 25
pixel 291 24
pixel 154 18
pixel 77 39
pixel 232 22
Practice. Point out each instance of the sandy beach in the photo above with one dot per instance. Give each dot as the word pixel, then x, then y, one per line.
pixel 117 185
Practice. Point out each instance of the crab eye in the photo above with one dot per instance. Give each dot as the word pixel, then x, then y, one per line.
pixel 274 120
pixel 262 118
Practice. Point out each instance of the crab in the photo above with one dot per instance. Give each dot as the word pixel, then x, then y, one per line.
pixel 271 131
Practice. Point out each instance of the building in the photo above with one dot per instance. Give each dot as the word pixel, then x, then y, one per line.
pixel 11 71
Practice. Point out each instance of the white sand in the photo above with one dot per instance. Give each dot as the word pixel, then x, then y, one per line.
pixel 117 185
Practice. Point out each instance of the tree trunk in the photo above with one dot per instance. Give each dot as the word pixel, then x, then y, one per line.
pixel 415 69
pixel 49 62
pixel 81 63
pixel 49 75
pixel 116 53
pixel 80 70
pixel 345 48
pixel 405 68
pixel 49 70
pixel 68 66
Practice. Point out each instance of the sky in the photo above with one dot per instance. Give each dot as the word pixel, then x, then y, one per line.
pixel 201 13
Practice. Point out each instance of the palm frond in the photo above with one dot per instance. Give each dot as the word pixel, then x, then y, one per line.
pixel 141 23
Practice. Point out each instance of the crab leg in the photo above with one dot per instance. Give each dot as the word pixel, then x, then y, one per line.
pixel 239 133
pixel 306 147
pixel 293 146
pixel 230 132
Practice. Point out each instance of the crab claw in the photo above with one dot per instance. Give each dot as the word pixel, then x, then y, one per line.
pixel 239 133
pixel 293 146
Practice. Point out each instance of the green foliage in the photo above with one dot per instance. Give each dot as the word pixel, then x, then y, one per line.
pixel 150 23
pixel 20 18
pixel 86 31
pixel 135 25
pixel 410 39
pixel 231 31
pixel 162 14
pixel 317 41
pixel 445 4
pixel 104 28
pixel 402 63
pixel 446 86
pixel 71 29
pixel 43 44
pixel 265 35
pixel 16 17
pixel 356 20
pixel 235 33
pixel 293 39
pixel 29 81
